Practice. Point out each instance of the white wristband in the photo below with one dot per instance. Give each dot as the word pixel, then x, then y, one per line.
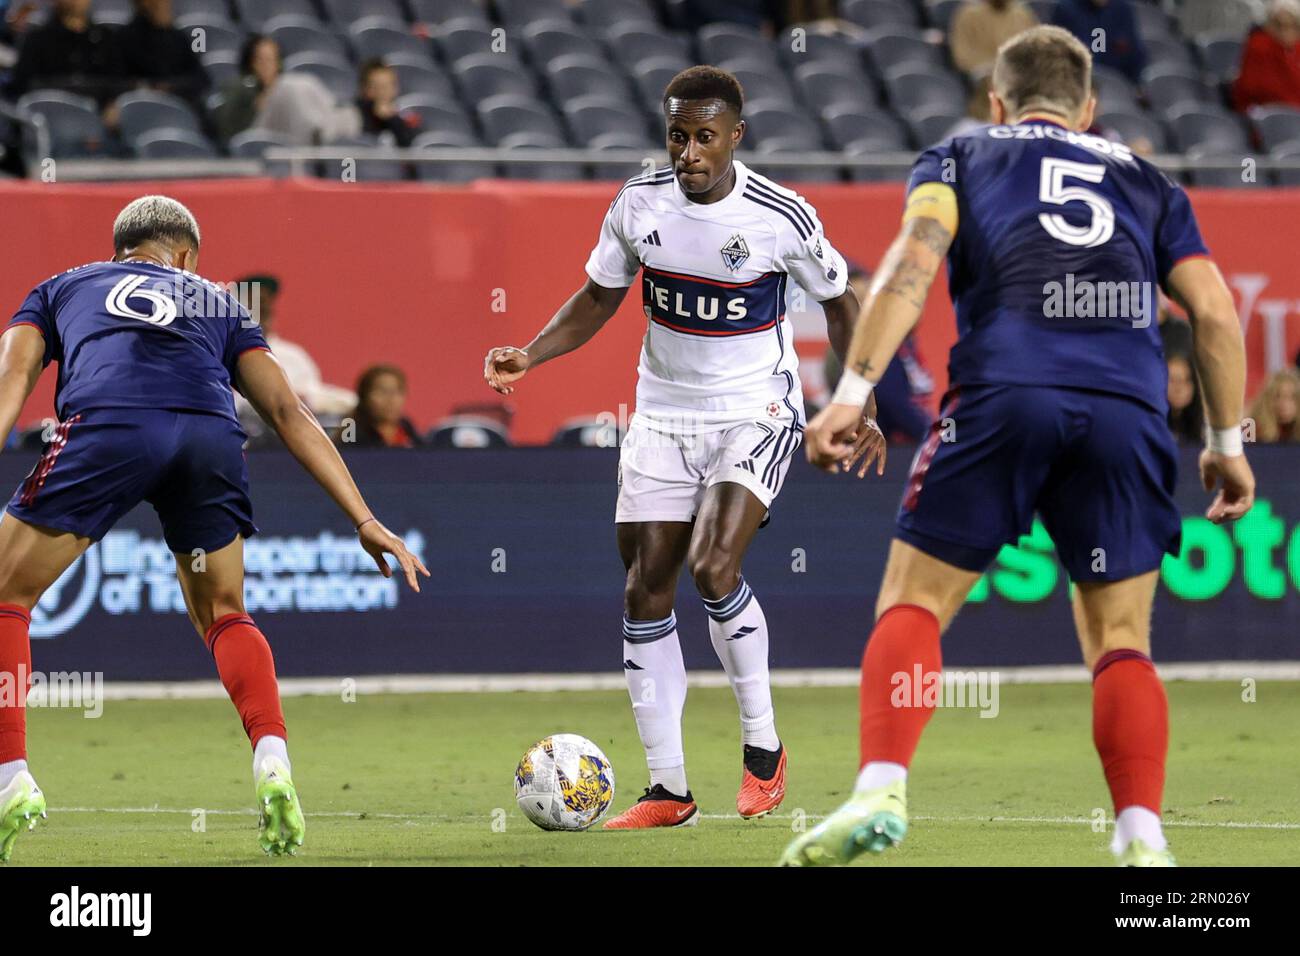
pixel 853 389
pixel 1225 441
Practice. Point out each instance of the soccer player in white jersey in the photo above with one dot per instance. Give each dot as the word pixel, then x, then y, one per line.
pixel 719 413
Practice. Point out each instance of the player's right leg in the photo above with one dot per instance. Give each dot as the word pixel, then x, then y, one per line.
pixel 213 586
pixel 31 559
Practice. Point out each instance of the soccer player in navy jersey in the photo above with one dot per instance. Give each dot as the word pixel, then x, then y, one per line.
pixel 1055 241
pixel 147 353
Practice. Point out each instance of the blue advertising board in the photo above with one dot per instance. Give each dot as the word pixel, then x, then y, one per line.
pixel 526 576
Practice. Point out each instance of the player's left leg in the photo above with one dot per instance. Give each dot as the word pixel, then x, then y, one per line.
pixel 31 559
pixel 213 586
pixel 744 480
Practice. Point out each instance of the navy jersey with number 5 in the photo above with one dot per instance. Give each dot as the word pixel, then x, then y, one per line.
pixel 1063 239
pixel 139 335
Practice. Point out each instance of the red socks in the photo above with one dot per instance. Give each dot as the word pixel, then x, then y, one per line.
pixel 15 670
pixel 1130 726
pixel 248 672
pixel 904 642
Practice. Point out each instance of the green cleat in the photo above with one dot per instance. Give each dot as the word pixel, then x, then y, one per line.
pixel 280 828
pixel 21 802
pixel 1138 853
pixel 869 822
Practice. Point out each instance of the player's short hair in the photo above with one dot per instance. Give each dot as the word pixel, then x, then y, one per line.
pixel 706 83
pixel 1043 68
pixel 154 219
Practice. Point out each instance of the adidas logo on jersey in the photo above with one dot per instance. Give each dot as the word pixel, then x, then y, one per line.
pixel 652 239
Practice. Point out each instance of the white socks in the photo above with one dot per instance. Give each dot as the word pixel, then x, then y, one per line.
pixel 10 770
pixel 739 634
pixel 877 774
pixel 656 682
pixel 269 746
pixel 1138 823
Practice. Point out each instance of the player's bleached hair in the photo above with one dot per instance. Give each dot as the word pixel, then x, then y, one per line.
pixel 706 83
pixel 154 219
pixel 1043 68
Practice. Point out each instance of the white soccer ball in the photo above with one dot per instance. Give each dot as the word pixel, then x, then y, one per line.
pixel 564 782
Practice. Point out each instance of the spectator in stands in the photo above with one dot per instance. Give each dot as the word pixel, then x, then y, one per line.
pixel 159 56
pixel 1270 60
pixel 242 100
pixel 71 52
pixel 302 110
pixel 980 27
pixel 1186 419
pixel 377 102
pixel 260 294
pixel 379 419
pixel 1275 410
pixel 1109 29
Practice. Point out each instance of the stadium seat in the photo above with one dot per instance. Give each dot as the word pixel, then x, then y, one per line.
pixel 574 77
pixel 171 143
pixel 1170 90
pixel 1208 128
pixel 816 47
pixel 457 39
pixel 145 110
pixel 911 90
pixel 419 75
pixel 1220 55
pixel 1169 52
pixel 519 13
pixel 346 12
pixel 1287 151
pixel 621 171
pixel 591 117
pixel 338 75
pixel 483 75
pixel 878 13
pixel 253 143
pixel 217 11
pixel 822 86
pixel 769 120
pixel 765 86
pixel 735 43
pixel 597 432
pixel 368 170
pixel 933 125
pixel 218 36
pixel 550 171
pixel 1114 90
pixel 1132 125
pixel 296 35
pixel 372 38
pixel 652 78
pixel 891 49
pixel 254 14
pixel 466 431
pixel 767 159
pixel 114 13
pixel 635 43
pixel 72 122
pixel 602 15
pixel 1276 125
pixel 547 40
pixel 221 67
pixel 939 13
pixel 1229 178
pixel 429 12
pixel 449 171
pixel 438 114
pixel 1152 20
pixel 1218 16
pixel 500 116
pixel 869 130
pixel 876 174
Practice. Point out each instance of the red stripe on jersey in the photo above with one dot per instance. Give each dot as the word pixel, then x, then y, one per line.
pixel 916 478
pixel 723 285
pixel 678 328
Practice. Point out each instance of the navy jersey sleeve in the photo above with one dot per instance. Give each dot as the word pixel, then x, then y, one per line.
pixel 936 165
pixel 36 312
pixel 1177 236
pixel 245 334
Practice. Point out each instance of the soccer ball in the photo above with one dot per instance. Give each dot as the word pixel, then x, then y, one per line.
pixel 564 782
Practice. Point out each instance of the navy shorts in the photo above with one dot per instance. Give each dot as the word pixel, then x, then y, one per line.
pixel 103 462
pixel 1099 469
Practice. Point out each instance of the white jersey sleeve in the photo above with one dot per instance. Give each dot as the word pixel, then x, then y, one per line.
pixel 614 263
pixel 813 262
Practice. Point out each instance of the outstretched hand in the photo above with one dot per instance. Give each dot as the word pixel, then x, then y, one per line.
pixel 377 541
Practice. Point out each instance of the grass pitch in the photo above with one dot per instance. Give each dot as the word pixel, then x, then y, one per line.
pixel 427 780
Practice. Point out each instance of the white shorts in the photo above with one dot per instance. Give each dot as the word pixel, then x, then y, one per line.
pixel 662 476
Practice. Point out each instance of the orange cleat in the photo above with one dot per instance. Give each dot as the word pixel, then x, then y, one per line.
pixel 762 786
pixel 657 808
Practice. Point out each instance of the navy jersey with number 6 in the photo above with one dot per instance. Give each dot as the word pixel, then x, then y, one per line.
pixel 139 335
pixel 1063 239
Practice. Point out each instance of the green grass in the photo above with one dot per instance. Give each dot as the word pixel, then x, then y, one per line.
pixel 427 779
